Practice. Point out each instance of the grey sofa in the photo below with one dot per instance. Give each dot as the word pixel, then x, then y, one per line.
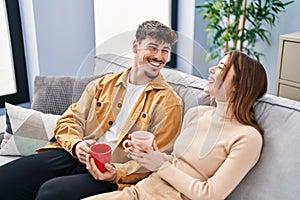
pixel 275 176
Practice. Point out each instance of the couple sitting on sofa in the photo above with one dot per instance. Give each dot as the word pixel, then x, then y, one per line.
pixel 214 148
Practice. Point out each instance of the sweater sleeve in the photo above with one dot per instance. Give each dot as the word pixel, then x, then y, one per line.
pixel 243 155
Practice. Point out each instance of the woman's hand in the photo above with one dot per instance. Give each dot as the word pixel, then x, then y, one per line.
pixel 108 175
pixel 82 149
pixel 151 158
pixel 138 148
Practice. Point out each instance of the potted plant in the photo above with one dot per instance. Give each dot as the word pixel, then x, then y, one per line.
pixel 238 24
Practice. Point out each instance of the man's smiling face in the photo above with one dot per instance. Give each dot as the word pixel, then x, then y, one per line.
pixel 151 56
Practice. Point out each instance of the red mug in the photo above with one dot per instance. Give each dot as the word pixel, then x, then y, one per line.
pixel 101 153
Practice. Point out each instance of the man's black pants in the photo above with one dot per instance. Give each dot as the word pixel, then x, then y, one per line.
pixel 54 174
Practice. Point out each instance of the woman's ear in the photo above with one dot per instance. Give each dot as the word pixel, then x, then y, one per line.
pixel 234 90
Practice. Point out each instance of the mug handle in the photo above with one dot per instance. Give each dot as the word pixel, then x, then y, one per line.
pixel 124 144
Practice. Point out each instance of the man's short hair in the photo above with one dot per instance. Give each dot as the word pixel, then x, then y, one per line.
pixel 156 30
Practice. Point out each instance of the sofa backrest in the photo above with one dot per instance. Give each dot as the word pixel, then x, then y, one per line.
pixel 277 174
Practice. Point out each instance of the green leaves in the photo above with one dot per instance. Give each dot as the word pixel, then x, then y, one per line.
pixel 228 30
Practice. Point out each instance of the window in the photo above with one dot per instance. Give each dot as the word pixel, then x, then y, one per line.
pixel 13 74
pixel 116 22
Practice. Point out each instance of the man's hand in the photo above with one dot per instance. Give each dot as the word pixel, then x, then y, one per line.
pixel 82 149
pixel 109 175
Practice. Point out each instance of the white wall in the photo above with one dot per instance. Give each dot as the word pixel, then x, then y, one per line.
pixel 65 34
pixel 124 20
pixel 58 35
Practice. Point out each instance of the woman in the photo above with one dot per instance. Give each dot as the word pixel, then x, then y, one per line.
pixel 217 146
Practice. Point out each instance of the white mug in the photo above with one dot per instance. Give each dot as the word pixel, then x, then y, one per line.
pixel 140 137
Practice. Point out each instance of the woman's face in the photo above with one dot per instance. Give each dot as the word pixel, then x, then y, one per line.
pixel 216 86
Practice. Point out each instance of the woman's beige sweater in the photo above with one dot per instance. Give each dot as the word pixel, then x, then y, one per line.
pixel 212 154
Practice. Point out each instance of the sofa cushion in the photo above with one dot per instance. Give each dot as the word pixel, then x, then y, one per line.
pixel 26 130
pixel 277 174
pixel 54 94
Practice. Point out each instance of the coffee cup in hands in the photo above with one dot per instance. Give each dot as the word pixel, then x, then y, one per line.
pixel 101 153
pixel 138 137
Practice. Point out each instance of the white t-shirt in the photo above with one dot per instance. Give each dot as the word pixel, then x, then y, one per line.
pixel 132 94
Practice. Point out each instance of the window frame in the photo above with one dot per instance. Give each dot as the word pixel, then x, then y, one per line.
pixel 18 54
pixel 174 21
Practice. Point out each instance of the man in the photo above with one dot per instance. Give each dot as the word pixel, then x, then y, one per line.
pixel 109 109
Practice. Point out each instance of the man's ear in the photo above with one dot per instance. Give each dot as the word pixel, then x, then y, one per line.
pixel 134 46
